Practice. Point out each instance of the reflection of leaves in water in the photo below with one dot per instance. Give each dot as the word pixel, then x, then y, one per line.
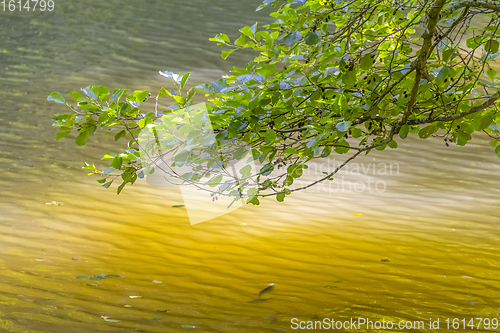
pixel 97 278
pixel 260 300
pixel 83 277
pixel 189 327
pixel 111 320
pixel 177 206
pixel 161 311
pixel 385 260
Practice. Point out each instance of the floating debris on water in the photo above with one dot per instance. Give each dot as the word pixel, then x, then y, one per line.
pixel 178 206
pixel 385 260
pixel 54 203
pixel 161 311
pixel 98 277
pixel 271 319
pixel 111 320
pixel 266 290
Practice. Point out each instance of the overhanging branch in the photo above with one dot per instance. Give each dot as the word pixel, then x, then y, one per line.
pixel 488 4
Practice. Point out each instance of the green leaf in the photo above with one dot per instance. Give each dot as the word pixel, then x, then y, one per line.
pixel 443 73
pixel 312 38
pixel 214 181
pixel 120 135
pixel 91 92
pixel 491 46
pixel 349 78
pixel 491 73
pixel 185 78
pixel 447 54
pixel 108 171
pixel 427 131
pixel 280 197
pixel 366 62
pixel 117 162
pixel 473 42
pixel 138 96
pixel 292 38
pixel 403 132
pixel 248 31
pixel 223 38
pixel 497 151
pixel 343 126
pixel 485 122
pixel 255 201
pixel 270 136
pixel 120 188
pixel 246 171
pixel 77 97
pixel 266 70
pixel 326 151
pixel 56 97
pixel 61 135
pixel 226 53
pixel 81 139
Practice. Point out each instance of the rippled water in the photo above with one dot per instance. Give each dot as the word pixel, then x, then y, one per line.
pixel 434 216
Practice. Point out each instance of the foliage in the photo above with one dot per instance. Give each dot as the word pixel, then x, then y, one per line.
pixel 328 78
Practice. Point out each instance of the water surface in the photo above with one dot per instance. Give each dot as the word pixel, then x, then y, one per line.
pixel 435 219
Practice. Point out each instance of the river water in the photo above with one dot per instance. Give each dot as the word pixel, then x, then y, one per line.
pixel 415 239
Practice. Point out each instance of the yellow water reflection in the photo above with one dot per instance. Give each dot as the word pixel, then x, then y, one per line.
pixel 436 223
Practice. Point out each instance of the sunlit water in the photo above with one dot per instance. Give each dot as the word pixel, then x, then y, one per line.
pixel 434 215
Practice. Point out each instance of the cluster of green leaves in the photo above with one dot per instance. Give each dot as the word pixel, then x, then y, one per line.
pixel 329 77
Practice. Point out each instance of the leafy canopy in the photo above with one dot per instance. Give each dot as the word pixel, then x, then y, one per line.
pixel 328 77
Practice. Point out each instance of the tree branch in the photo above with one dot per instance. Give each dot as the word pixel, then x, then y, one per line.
pixel 421 62
pixel 485 4
pixel 456 116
